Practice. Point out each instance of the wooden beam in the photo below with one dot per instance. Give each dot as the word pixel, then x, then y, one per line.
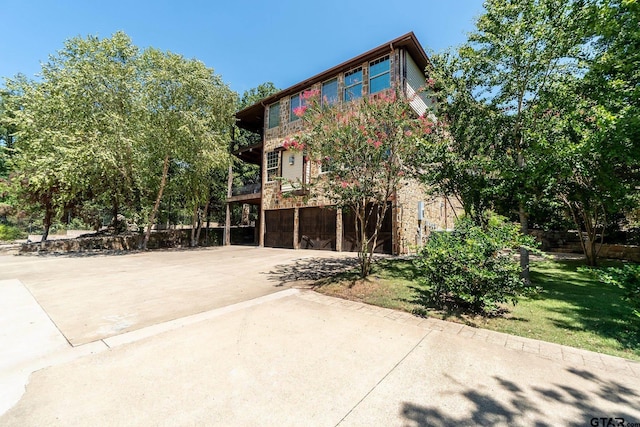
pixel 339 230
pixel 296 228
pixel 227 219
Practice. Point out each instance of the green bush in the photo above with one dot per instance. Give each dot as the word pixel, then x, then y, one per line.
pixel 471 268
pixel 8 233
pixel 627 278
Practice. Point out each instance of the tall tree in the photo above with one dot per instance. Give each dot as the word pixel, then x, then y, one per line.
pixel 7 131
pixel 41 179
pixel 518 49
pixel 256 94
pixel 591 128
pixel 103 125
pixel 464 156
pixel 77 123
pixel 188 115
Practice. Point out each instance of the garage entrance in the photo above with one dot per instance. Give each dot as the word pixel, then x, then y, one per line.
pixel 279 228
pixel 317 228
pixel 385 236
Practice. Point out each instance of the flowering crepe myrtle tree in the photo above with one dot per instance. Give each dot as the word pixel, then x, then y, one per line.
pixel 365 148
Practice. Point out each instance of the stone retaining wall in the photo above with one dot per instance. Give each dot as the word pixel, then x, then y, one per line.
pixel 123 242
pixel 569 241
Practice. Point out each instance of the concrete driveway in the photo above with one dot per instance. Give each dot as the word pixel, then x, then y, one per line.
pixel 92 297
pixel 294 357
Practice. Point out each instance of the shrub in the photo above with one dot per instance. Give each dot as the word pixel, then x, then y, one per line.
pixel 473 268
pixel 8 232
pixel 626 278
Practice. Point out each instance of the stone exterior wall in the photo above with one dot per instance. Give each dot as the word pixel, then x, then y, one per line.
pixel 274 137
pixel 439 214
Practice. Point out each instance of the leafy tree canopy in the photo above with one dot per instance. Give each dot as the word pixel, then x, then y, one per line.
pixel 105 120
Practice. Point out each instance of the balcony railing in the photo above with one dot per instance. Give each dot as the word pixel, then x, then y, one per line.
pixel 246 189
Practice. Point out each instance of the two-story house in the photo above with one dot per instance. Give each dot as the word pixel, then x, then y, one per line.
pixel 295 222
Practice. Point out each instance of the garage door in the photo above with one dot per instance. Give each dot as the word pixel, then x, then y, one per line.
pixel 279 228
pixel 317 229
pixel 385 236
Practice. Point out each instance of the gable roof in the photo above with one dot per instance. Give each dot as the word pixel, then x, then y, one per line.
pixel 252 117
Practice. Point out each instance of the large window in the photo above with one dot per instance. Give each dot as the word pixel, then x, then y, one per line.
pixel 296 104
pixel 273 165
pixel 379 75
pixel 330 92
pixel 352 85
pixel 274 115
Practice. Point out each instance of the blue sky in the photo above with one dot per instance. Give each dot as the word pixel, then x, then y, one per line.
pixel 247 42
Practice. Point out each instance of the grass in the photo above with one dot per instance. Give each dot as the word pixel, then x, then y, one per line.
pixel 572 308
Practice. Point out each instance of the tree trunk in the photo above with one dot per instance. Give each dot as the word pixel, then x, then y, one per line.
pixel 590 219
pixel 524 252
pixel 380 213
pixel 206 210
pixel 522 212
pixel 206 214
pixel 156 206
pixel 114 213
pixel 46 222
pixel 591 253
pixel 194 225
pixel 578 225
pixel 360 212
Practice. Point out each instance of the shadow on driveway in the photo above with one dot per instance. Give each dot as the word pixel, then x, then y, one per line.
pixel 530 403
pixel 310 269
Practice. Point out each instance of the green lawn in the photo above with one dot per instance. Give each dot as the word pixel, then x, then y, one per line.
pixel 571 309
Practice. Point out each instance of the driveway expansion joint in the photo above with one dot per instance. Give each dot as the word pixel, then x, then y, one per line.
pixel 384 376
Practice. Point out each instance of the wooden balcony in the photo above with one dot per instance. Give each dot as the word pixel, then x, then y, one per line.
pixel 251 193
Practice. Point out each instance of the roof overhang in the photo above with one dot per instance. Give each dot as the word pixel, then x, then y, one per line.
pixel 251 154
pixel 252 117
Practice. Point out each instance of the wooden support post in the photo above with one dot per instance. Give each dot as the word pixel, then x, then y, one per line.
pixel 227 226
pixel 227 219
pixel 339 230
pixel 262 228
pixel 296 228
pixel 396 231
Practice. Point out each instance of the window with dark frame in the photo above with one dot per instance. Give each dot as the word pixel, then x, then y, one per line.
pixel 330 92
pixel 273 165
pixel 352 85
pixel 295 102
pixel 274 115
pixel 379 75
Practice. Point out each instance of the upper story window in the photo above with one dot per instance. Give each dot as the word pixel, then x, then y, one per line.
pixel 379 75
pixel 330 92
pixel 274 115
pixel 352 85
pixel 296 105
pixel 273 165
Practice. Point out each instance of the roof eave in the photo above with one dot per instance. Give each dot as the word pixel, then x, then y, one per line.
pixel 408 40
